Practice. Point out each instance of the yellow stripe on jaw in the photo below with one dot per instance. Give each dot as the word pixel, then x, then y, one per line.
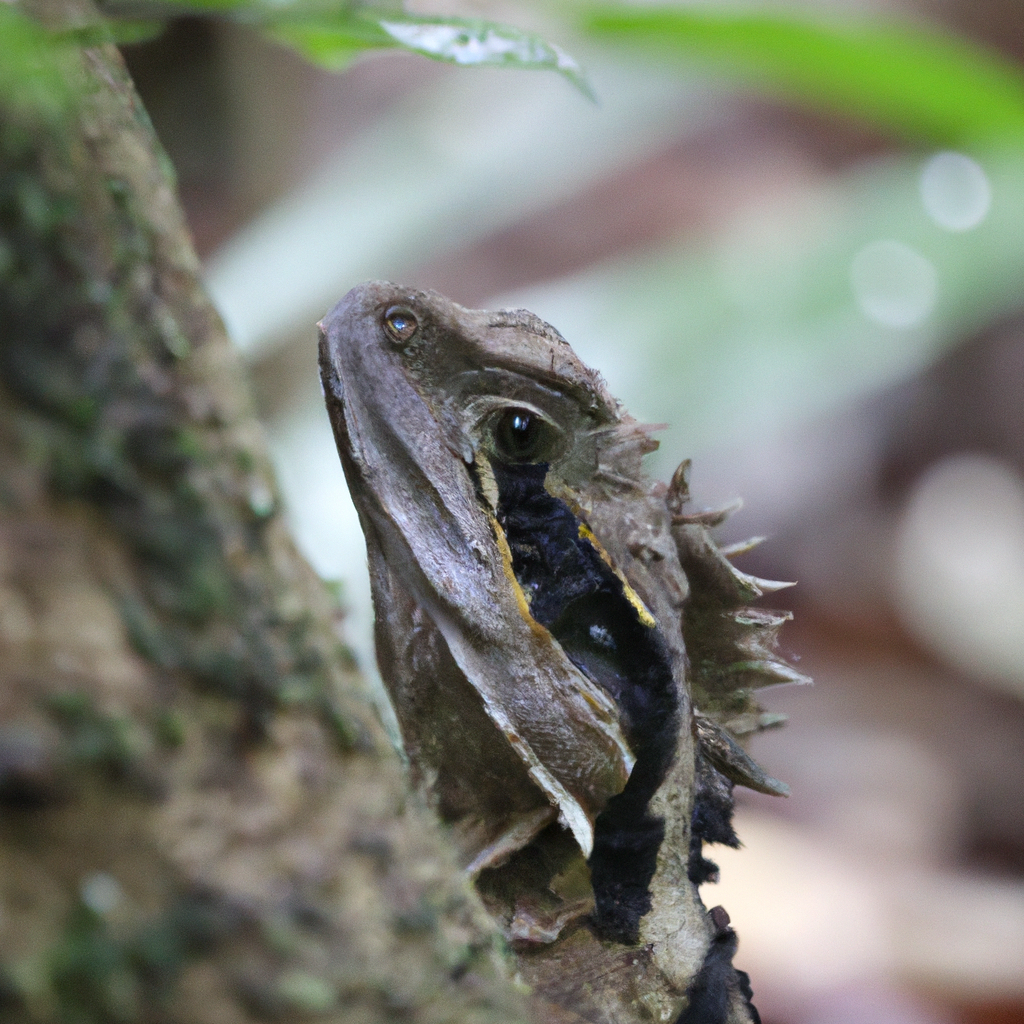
pixel 485 476
pixel 522 601
pixel 645 617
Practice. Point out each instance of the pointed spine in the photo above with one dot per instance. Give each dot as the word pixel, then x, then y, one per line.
pixel 731 646
pixel 732 760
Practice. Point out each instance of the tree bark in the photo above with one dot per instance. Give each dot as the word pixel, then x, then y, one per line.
pixel 200 817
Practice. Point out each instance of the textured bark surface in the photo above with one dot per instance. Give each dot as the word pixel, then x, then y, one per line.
pixel 200 819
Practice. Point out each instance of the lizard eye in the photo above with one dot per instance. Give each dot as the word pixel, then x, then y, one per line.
pixel 521 435
pixel 400 323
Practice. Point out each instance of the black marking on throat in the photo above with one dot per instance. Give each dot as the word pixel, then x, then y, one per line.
pixel 711 994
pixel 576 595
pixel 711 821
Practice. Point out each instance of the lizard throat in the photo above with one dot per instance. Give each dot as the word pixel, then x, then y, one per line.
pixel 605 631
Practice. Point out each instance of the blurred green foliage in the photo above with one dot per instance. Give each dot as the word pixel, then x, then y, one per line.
pixel 922 83
pixel 927 85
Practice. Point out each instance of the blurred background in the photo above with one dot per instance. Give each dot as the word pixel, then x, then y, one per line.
pixel 828 313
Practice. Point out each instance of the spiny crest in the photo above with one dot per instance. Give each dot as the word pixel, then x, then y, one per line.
pixel 731 646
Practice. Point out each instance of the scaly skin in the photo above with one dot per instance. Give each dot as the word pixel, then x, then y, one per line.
pixel 566 756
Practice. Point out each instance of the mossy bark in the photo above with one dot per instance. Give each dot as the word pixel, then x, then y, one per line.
pixel 200 818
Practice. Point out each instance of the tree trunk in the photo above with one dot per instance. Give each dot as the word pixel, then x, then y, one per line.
pixel 200 818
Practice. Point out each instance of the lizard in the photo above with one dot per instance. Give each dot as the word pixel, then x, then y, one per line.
pixel 572 658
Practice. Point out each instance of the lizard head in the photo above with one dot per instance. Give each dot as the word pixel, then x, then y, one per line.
pixel 427 399
pixel 499 386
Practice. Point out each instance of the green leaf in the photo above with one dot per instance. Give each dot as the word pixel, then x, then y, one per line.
pixel 914 79
pixel 332 41
pixel 329 44
pixel 460 41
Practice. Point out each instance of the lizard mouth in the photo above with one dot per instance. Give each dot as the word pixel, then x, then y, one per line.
pixel 573 591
